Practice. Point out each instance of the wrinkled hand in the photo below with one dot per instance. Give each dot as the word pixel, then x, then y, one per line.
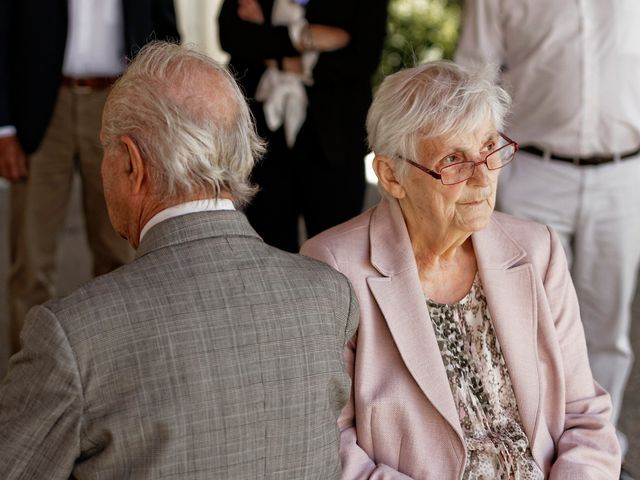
pixel 323 38
pixel 13 161
pixel 250 11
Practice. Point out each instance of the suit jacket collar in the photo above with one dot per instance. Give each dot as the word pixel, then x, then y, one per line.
pixel 508 284
pixel 196 226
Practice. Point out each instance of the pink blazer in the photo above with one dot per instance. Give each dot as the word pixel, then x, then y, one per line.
pixel 401 421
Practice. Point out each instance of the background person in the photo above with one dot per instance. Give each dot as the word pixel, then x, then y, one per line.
pixel 469 360
pixel 212 354
pixel 57 61
pixel 322 176
pixel 572 68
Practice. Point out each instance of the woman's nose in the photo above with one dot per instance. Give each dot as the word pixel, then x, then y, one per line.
pixel 481 172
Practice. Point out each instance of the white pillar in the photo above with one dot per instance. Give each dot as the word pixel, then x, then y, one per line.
pixel 198 24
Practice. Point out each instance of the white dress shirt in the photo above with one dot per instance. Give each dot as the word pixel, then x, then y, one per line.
pixel 572 67
pixel 95 39
pixel 206 205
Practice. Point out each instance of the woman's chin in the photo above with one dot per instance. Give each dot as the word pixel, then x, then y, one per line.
pixel 474 217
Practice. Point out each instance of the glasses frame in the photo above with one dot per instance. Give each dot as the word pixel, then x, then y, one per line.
pixel 438 176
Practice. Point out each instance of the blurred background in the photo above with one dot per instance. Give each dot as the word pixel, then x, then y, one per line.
pixel 418 31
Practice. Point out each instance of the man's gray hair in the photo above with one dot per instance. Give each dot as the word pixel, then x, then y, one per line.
pixel 432 100
pixel 190 121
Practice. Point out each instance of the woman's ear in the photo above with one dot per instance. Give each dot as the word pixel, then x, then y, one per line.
pixel 135 167
pixel 386 174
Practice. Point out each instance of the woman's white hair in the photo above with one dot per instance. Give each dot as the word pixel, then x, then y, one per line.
pixel 432 100
pixel 190 121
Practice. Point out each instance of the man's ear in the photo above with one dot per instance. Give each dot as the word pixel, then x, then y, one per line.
pixel 386 174
pixel 136 166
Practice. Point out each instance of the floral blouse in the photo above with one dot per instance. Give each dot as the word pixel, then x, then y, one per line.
pixel 496 445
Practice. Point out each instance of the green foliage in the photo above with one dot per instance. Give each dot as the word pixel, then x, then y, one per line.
pixel 419 31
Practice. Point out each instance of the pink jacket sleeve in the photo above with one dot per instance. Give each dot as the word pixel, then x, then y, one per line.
pixel 588 447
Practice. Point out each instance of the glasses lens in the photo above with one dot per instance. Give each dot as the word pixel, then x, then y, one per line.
pixel 457 173
pixel 501 157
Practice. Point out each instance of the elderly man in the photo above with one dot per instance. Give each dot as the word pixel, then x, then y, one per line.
pixel 212 355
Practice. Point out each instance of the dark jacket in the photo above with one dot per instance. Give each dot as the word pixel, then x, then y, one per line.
pixel 33 36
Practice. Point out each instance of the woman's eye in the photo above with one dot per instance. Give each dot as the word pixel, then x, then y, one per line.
pixel 490 147
pixel 451 159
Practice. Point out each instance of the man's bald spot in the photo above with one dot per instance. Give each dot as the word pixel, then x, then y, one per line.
pixel 204 92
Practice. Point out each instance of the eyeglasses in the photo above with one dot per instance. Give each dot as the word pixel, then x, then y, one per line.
pixel 460 171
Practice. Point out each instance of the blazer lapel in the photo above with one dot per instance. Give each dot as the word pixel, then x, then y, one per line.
pixel 510 289
pixel 402 303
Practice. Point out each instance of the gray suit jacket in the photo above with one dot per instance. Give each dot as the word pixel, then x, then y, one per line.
pixel 212 355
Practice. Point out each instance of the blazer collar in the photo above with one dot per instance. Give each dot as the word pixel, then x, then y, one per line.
pixel 196 226
pixel 391 251
pixel 495 249
pixel 508 284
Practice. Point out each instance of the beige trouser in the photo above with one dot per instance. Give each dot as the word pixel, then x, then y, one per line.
pixel 38 206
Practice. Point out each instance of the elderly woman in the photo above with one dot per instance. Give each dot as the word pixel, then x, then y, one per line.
pixel 470 360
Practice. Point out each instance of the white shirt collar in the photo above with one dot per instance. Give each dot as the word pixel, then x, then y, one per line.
pixel 206 205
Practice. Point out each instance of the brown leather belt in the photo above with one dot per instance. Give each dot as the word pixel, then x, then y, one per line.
pixel 580 161
pixel 91 83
